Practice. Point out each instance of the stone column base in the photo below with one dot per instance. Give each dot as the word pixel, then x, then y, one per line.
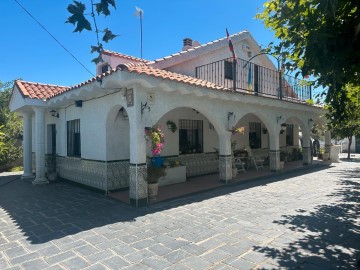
pixel 306 156
pixel 225 168
pixel 40 181
pixel 26 176
pixel 274 160
pixel 138 185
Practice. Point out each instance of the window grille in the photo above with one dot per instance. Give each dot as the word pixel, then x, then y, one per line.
pixel 289 134
pixel 254 135
pixel 73 138
pixel 190 136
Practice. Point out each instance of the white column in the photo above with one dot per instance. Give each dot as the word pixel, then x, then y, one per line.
pixel 40 146
pixel 27 146
pixel 274 152
pixel 225 157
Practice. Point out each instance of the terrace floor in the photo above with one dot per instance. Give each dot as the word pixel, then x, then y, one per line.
pixel 208 182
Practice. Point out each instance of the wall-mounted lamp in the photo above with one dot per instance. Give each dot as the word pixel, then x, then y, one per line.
pixel 54 113
pixel 278 118
pixel 144 106
pixel 230 114
pixel 310 120
pixel 123 113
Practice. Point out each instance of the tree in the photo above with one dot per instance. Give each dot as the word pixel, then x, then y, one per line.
pixel 11 127
pixel 320 38
pixel 79 20
pixel 350 125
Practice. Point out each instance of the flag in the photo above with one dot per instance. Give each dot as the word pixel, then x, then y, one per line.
pixel 249 78
pixel 231 46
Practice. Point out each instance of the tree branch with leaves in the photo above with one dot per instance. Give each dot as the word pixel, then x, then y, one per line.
pixel 79 19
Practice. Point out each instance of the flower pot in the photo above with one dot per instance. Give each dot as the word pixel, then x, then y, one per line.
pixel 153 191
pixel 157 161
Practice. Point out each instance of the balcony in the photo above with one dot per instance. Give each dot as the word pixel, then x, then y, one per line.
pixel 254 79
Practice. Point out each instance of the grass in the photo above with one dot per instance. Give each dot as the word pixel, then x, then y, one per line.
pixel 16 169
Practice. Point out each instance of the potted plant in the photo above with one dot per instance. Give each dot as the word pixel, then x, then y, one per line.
pixel 171 125
pixel 155 168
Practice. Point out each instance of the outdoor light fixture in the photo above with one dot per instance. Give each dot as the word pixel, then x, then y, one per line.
pixel 310 120
pixel 54 113
pixel 123 113
pixel 278 118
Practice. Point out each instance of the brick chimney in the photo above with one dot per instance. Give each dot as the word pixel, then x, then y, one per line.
pixel 187 44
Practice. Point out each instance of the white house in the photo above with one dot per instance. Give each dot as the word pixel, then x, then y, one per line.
pixel 95 130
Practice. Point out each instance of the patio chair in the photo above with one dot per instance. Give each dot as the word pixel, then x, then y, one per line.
pixel 257 161
pixel 239 165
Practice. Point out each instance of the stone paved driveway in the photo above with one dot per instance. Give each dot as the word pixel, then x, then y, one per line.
pixel 308 221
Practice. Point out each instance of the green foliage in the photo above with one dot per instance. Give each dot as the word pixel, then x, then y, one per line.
pixel 321 38
pixel 10 128
pixel 349 124
pixel 79 20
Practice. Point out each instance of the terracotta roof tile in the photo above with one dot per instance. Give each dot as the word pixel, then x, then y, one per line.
pixel 38 90
pixel 159 73
pixel 107 52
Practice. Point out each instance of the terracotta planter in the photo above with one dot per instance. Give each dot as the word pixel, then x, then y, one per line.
pixel 153 191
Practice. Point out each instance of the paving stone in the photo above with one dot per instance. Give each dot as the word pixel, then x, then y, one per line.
pixel 138 266
pixel 35 264
pixel 215 256
pixel 242 264
pixel 97 266
pixel 139 256
pixel 160 249
pixel 156 262
pixel 194 262
pixel 24 258
pixel 115 262
pixel 15 252
pixel 75 263
pixel 86 250
pixel 177 256
pixel 143 244
pixel 100 256
pixel 60 257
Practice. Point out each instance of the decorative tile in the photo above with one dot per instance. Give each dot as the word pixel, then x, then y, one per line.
pixel 274 160
pixel 138 183
pixel 225 165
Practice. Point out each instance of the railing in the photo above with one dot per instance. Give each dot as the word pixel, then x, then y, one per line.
pixel 253 79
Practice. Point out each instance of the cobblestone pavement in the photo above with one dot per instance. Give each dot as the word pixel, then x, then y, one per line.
pixel 308 221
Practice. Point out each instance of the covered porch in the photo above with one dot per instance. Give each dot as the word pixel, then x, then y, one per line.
pixel 208 182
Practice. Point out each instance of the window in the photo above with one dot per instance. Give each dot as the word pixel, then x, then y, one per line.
pixel 73 138
pixel 289 134
pixel 190 136
pixel 105 68
pixel 254 135
pixel 228 69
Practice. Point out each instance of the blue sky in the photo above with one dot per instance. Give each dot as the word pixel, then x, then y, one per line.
pixel 29 53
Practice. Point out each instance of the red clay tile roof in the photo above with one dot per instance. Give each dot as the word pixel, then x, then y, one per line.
pixel 168 75
pixel 38 90
pixel 41 91
pixel 110 53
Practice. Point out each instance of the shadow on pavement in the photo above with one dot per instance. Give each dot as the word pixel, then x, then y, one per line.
pixel 53 211
pixel 332 232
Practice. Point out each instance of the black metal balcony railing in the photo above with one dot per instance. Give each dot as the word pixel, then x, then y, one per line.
pixel 253 79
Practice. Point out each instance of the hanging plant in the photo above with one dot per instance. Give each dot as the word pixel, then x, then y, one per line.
pixel 171 125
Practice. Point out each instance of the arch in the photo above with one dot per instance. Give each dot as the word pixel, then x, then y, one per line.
pixel 243 140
